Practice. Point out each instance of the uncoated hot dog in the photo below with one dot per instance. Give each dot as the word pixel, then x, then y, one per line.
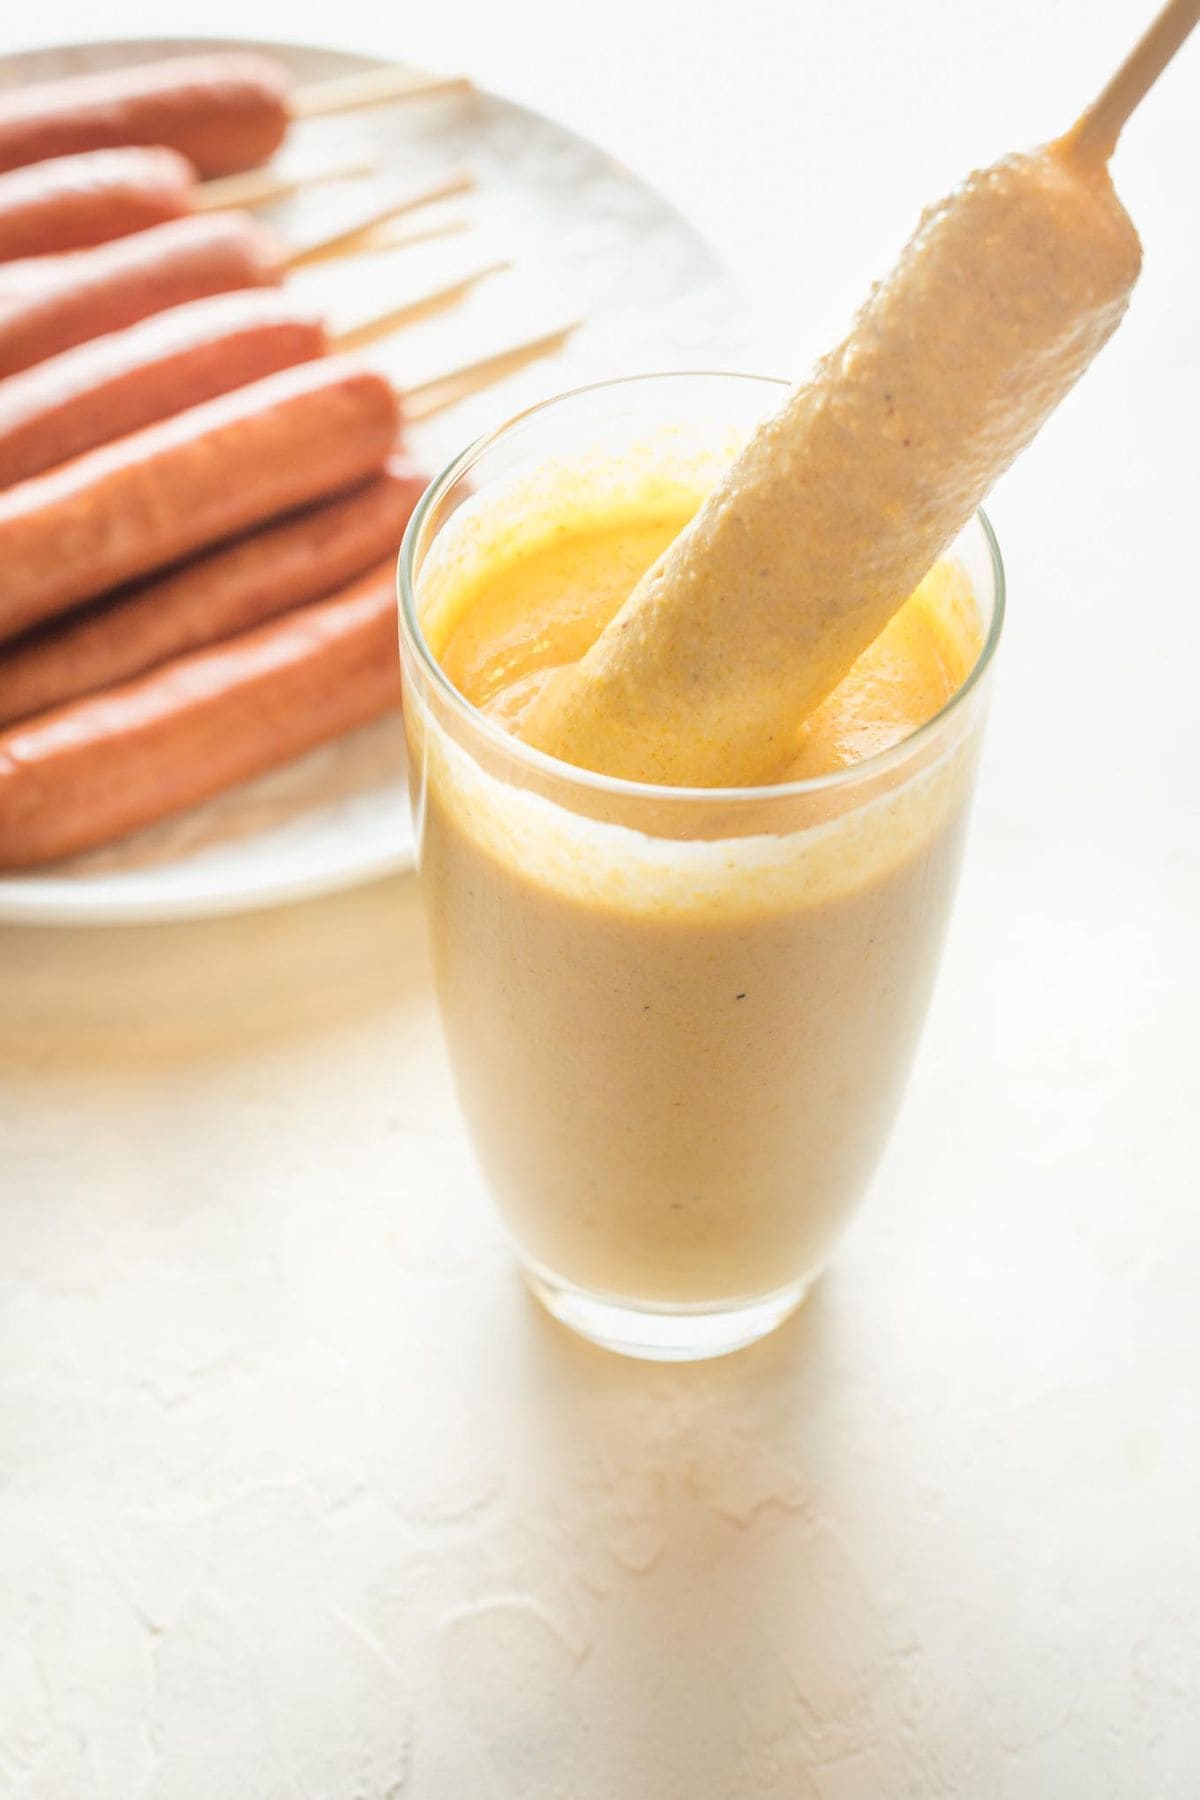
pixel 155 497
pixel 73 202
pixel 49 304
pixel 101 767
pixel 232 589
pixel 223 112
pixel 162 365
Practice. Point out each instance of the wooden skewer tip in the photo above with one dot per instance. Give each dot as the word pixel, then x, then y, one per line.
pixel 258 187
pixel 1094 136
pixel 371 87
pixel 408 311
pixel 445 388
pixel 341 238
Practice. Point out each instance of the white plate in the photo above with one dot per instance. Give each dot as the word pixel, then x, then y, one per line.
pixel 587 240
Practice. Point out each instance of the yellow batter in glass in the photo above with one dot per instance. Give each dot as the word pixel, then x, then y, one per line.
pixel 543 610
pixel 678 1059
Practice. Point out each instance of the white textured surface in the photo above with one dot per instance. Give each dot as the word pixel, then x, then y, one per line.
pixel 301 1499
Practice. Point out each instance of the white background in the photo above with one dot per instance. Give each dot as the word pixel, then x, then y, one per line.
pixel 299 1496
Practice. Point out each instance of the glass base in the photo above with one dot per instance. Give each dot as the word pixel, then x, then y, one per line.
pixel 663 1333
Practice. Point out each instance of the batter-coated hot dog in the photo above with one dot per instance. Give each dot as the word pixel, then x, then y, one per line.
pixel 232 589
pixel 50 304
pixel 73 202
pixel 101 767
pixel 223 112
pixel 162 365
pixel 840 504
pixel 151 499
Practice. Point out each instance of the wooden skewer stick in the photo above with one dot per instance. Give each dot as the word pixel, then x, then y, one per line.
pixel 380 242
pixel 256 187
pixel 339 240
pixel 449 386
pixel 370 87
pixel 417 306
pixel 1095 136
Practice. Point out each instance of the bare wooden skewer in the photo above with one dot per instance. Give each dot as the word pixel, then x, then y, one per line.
pixel 257 187
pixel 370 87
pixel 338 240
pixel 416 307
pixel 1095 135
pixel 378 241
pixel 448 386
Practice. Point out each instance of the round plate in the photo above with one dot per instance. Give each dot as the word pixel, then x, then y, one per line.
pixel 586 240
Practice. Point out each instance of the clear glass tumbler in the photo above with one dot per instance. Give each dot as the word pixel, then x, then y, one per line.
pixel 680 1020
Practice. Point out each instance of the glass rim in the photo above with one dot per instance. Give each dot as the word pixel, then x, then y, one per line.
pixel 545 764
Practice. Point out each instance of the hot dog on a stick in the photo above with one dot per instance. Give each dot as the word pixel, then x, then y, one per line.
pixel 174 360
pixel 840 504
pixel 103 766
pixel 100 766
pixel 225 112
pixel 74 202
pixel 51 303
pixel 147 500
pixel 144 501
pixel 236 586
pixel 123 380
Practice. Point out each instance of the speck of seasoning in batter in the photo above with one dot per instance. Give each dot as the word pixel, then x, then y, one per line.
pixel 739 996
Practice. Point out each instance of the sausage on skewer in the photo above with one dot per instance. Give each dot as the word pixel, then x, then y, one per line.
pixel 173 360
pixel 104 766
pixel 74 202
pixel 151 499
pixel 223 112
pixel 231 589
pixel 95 392
pixel 100 766
pixel 50 304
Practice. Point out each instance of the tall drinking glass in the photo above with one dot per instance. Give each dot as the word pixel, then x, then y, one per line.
pixel 680 1020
